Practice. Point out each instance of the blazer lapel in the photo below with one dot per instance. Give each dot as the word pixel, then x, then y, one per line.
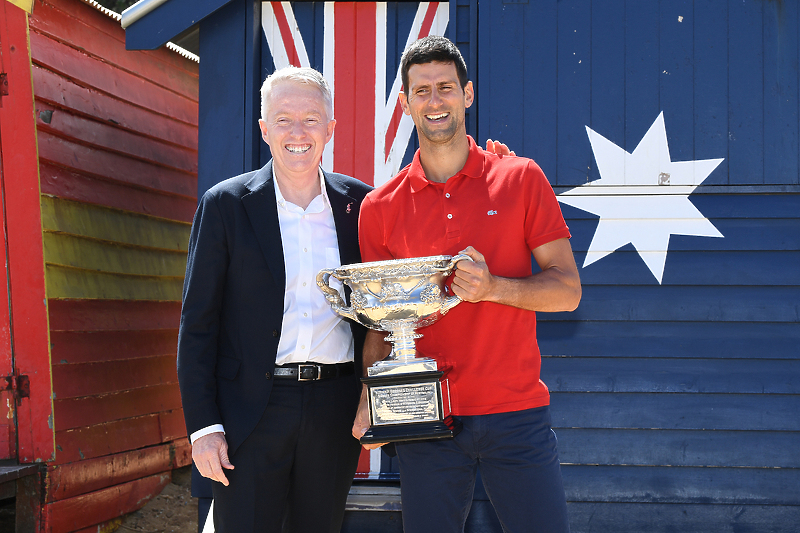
pixel 345 217
pixel 262 210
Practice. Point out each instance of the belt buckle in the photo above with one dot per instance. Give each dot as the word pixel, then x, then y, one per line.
pixel 301 368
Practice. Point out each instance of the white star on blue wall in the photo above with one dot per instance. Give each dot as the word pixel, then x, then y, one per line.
pixel 642 198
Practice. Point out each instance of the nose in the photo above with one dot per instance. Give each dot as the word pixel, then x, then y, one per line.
pixel 297 129
pixel 436 99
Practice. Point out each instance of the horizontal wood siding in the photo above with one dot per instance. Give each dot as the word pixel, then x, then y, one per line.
pixel 117 136
pixel 675 401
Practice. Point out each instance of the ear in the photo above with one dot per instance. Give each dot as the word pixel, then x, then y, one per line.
pixel 331 126
pixel 469 94
pixel 262 125
pixel 404 103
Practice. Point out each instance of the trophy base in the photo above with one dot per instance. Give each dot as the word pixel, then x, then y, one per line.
pixel 405 433
pixel 405 407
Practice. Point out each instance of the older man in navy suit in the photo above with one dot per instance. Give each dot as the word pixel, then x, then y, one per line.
pixel 268 373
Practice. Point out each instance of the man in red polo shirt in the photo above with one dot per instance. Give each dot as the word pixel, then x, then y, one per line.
pixel 499 210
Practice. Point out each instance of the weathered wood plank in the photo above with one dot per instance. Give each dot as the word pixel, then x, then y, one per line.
pixel 63 183
pixel 82 511
pixel 115 167
pixel 64 93
pixel 93 72
pixel 107 224
pixel 559 335
pixel 73 479
pixel 88 379
pixel 73 413
pixel 741 234
pixel 92 347
pixel 668 375
pixel 173 426
pixel 668 303
pixel 89 315
pixel 668 518
pixel 758 412
pixel 65 282
pixel 61 249
pixel 106 439
pixel 629 484
pixel 84 32
pixel 106 136
pixel 678 447
pixel 716 268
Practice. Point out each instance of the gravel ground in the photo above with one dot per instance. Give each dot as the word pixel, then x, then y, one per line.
pixel 172 511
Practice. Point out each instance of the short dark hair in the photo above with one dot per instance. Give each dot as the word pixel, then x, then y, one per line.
pixel 430 49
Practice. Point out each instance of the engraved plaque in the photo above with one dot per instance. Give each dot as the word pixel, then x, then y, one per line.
pixel 403 404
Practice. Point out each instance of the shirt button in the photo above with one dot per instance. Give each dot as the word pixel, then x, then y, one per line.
pixel 303 347
pixel 447 195
pixel 305 249
pixel 269 376
pixel 305 314
pixel 304 284
pixel 449 216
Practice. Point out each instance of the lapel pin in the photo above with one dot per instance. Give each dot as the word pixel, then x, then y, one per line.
pixel 348 207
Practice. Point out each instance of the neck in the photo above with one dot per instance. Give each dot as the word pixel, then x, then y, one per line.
pixel 299 190
pixel 443 161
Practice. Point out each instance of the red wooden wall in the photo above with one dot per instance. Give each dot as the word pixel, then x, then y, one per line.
pixel 117 141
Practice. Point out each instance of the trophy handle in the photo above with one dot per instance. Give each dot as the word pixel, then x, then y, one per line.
pixel 454 300
pixel 332 295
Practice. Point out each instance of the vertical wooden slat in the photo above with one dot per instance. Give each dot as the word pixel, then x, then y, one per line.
pixel 711 86
pixel 574 91
pixel 641 67
pixel 746 96
pixel 24 226
pixel 676 76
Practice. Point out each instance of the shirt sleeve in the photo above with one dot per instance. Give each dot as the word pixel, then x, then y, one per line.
pixel 215 428
pixel 544 222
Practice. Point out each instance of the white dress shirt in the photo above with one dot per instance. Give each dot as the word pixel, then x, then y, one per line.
pixel 311 331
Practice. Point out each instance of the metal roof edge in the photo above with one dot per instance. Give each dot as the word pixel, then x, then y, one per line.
pixel 139 10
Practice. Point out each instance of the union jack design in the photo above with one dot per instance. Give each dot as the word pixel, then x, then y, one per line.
pixel 372 133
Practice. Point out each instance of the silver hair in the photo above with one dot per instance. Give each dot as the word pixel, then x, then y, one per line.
pixel 305 75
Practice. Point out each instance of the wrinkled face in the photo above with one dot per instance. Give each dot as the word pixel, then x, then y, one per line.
pixel 296 128
pixel 436 102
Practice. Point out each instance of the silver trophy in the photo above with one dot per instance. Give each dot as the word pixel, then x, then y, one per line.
pixel 399 297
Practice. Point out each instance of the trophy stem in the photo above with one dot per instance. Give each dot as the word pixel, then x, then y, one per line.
pixel 404 348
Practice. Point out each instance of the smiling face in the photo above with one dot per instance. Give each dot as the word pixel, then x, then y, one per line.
pixel 435 101
pixel 296 127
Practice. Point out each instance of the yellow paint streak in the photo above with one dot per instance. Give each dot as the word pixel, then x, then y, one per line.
pixel 103 223
pixel 65 282
pixel 89 254
pixel 27 5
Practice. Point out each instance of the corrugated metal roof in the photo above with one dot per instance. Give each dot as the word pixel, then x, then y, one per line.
pixel 139 10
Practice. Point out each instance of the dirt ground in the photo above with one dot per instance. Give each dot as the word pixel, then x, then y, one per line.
pixel 172 511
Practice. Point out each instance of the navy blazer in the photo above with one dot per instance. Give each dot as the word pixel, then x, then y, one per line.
pixel 233 297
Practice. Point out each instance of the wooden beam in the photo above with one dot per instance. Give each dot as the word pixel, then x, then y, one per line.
pixel 24 226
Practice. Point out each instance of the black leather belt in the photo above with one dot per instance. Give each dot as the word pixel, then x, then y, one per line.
pixel 313 371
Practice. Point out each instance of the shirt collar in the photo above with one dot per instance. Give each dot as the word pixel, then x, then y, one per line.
pixel 473 168
pixel 282 201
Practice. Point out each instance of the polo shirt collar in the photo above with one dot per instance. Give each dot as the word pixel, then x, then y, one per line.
pixel 473 168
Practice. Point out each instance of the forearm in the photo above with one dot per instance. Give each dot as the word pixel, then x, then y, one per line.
pixel 552 290
pixel 375 348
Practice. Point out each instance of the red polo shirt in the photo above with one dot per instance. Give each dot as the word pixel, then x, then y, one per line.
pixel 504 207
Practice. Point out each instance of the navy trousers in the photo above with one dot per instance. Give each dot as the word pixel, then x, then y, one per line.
pixel 518 460
pixel 293 473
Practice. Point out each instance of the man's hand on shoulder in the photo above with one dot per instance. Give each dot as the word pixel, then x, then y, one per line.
pixel 496 147
pixel 473 282
pixel 210 454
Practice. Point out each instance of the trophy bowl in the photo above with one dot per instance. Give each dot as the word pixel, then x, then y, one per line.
pixel 398 296
pixel 405 395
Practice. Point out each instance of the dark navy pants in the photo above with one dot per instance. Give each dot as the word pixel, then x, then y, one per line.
pixel 518 459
